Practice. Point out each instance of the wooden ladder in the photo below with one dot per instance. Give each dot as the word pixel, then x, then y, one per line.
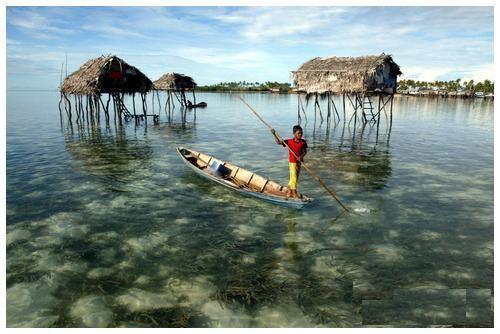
pixel 367 105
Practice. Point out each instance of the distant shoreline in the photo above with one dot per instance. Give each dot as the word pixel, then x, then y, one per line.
pixel 450 95
pixel 431 95
pixel 452 88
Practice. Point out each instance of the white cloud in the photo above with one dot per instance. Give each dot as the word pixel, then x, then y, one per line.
pixel 268 23
pixel 35 23
pixel 425 73
pixel 113 30
pixel 164 21
pixel 221 57
pixel 11 41
pixel 481 73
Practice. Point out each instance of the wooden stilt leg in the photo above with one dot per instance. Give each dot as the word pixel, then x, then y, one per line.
pixel 89 100
pixel 364 119
pixel 390 123
pixel 329 104
pixel 133 103
pixel 107 107
pixel 153 101
pixel 355 109
pixel 319 108
pixel 76 108
pixel 343 107
pixel 298 109
pixel 315 97
pixel 302 107
pixel 335 109
pixel 98 108
pixel 144 108
pixel 102 104
pixel 59 105
pixel 378 119
pixel 167 103
pixel 69 107
pixel 159 105
pixel 120 107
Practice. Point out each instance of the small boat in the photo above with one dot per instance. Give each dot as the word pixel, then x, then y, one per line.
pixel 239 179
pixel 197 105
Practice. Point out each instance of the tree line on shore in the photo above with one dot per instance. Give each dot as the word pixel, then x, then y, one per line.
pixel 486 86
pixel 283 87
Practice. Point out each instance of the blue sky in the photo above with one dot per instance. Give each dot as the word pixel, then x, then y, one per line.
pixel 216 44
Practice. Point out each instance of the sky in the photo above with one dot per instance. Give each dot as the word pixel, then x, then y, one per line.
pixel 254 44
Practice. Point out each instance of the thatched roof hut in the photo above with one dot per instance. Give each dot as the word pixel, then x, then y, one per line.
pixel 106 74
pixel 347 75
pixel 174 81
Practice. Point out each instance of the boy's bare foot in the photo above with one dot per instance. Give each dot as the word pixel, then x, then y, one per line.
pixel 289 193
pixel 294 194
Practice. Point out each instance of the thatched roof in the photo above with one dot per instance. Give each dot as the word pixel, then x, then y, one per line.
pixel 106 74
pixel 174 81
pixel 346 74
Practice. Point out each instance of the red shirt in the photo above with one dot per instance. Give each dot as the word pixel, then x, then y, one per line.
pixel 298 147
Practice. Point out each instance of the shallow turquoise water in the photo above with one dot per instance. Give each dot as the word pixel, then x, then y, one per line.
pixel 107 227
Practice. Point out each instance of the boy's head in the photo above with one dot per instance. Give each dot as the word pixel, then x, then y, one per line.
pixel 297 131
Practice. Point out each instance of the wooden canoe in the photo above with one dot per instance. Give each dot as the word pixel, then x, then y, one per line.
pixel 241 180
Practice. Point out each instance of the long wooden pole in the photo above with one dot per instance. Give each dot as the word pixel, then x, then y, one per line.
pixel 312 173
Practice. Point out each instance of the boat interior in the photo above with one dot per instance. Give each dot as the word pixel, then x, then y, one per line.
pixel 235 175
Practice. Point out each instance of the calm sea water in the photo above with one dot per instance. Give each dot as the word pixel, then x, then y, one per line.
pixel 107 227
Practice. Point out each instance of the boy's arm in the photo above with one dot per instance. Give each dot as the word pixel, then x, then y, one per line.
pixel 279 141
pixel 304 152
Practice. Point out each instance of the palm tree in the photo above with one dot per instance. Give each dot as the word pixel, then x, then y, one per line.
pixel 479 87
pixel 488 86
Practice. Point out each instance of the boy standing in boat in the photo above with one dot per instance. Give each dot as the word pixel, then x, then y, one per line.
pixel 299 147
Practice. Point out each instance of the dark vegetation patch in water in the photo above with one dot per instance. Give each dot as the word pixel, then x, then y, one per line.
pixel 252 286
pixel 171 317
pixel 20 274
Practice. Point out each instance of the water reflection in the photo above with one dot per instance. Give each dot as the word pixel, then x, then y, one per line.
pixel 108 154
pixel 176 116
pixel 355 155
